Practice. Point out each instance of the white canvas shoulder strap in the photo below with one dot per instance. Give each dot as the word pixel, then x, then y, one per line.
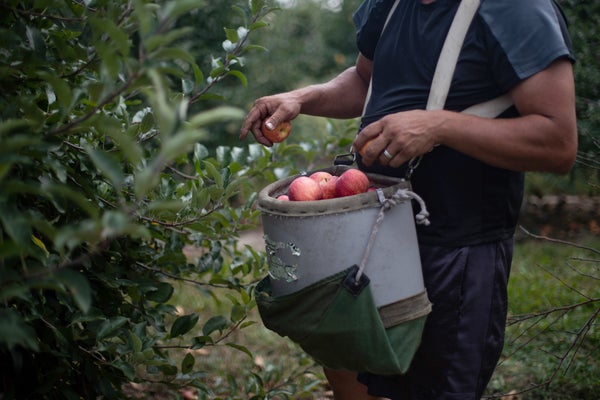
pixel 444 70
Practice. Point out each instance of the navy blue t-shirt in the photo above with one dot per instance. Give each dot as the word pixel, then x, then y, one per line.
pixel 470 202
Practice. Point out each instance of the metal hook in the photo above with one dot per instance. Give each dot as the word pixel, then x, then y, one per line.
pixel 412 165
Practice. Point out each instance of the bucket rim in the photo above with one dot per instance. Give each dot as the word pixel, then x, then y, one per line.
pixel 267 202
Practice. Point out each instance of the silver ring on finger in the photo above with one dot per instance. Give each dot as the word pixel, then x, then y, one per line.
pixel 387 154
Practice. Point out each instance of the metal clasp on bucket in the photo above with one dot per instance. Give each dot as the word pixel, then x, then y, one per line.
pixel 345 159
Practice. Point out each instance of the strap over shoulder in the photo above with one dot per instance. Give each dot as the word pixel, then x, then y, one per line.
pixel 447 64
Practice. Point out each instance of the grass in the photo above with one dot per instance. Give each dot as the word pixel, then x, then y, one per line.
pixel 552 348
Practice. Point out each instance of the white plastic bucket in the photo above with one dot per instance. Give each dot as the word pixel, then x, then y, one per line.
pixel 307 241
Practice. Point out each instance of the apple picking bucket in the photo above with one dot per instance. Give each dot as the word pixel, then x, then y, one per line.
pixel 345 279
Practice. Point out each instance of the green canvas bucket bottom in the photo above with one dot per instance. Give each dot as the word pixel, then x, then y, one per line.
pixel 336 321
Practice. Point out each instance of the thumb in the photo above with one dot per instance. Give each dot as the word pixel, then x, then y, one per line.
pixel 269 124
pixel 275 119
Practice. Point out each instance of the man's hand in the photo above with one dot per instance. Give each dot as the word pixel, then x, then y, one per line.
pixel 397 138
pixel 275 109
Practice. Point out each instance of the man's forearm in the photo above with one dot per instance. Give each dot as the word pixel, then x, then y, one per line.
pixel 342 97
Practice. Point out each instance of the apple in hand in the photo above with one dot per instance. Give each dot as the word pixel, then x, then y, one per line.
pixel 304 188
pixel 363 149
pixel 351 182
pixel 279 134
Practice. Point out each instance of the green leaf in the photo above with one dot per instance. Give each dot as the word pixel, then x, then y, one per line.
pixel 107 164
pixel 127 369
pixel 60 88
pixel 214 174
pixel 257 6
pixel 168 369
pixel 176 8
pixel 15 224
pixel 157 41
pixel 17 290
pixel 160 292
pixel 79 287
pixel 174 205
pixel 115 223
pixel 239 75
pixel 164 114
pixel 187 365
pixel 71 236
pixel 59 191
pixel 183 325
pixel 135 342
pixel 120 39
pixel 241 348
pixel 232 35
pixel 16 125
pixel 200 151
pixel 111 62
pixel 217 323
pixel 111 327
pixel 146 179
pixel 218 114
pixel 144 16
pixel 147 122
pixel 36 41
pixel 181 143
pixel 258 25
pixel 173 54
pixel 15 331
pixel 237 312
pixel 126 143
pixel 198 74
pixel 256 47
pixel 200 341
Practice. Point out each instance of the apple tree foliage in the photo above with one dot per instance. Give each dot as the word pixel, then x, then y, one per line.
pixel 105 181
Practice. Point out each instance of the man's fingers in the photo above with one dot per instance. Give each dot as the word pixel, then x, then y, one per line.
pixel 276 118
pixel 260 138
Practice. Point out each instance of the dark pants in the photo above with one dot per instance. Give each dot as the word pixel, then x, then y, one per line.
pixel 464 334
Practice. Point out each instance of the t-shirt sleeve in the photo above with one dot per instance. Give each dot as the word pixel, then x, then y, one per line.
pixel 529 36
pixel 369 19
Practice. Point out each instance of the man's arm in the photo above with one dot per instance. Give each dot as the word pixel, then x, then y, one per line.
pixel 341 97
pixel 543 138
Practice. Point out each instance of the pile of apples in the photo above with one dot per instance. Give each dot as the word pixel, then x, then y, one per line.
pixel 322 185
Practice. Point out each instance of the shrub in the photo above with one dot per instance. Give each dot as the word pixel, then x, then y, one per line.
pixel 104 183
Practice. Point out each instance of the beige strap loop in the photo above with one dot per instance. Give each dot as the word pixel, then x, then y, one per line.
pixel 405 310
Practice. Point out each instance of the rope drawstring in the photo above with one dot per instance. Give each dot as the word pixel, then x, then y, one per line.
pixel 400 196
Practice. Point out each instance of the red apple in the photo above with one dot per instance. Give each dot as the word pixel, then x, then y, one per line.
pixel 304 188
pixel 283 197
pixel 351 182
pixel 321 176
pixel 279 134
pixel 329 191
pixel 363 149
